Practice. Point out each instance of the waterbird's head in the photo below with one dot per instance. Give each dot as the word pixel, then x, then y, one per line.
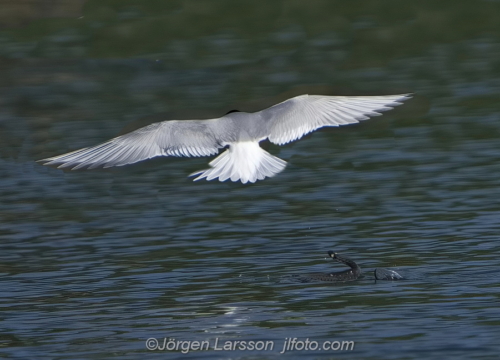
pixel 342 259
pixel 337 257
pixel 333 255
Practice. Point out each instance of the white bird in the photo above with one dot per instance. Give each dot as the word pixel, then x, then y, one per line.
pixel 244 160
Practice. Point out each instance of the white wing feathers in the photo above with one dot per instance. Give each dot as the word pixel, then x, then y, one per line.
pixel 296 117
pixel 244 161
pixel 168 138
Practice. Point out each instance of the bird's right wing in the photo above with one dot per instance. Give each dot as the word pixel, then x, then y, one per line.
pixel 298 116
pixel 167 138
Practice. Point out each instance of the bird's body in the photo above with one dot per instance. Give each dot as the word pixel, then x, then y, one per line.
pixel 244 160
pixel 354 273
pixel 347 275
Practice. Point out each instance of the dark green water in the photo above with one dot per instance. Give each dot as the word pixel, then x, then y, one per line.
pixel 93 263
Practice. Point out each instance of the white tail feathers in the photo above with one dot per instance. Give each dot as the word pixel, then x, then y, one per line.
pixel 244 161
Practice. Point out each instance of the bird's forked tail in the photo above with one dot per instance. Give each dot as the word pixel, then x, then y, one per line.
pixel 243 161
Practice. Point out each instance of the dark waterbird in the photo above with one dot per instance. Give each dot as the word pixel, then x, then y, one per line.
pixel 349 275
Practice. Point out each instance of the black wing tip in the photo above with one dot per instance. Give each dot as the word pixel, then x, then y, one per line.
pixel 399 100
pixel 407 96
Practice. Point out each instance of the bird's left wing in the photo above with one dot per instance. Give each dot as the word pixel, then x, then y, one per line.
pixel 167 138
pixel 298 116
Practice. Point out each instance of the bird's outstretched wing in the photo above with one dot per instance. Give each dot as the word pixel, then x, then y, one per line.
pixel 298 116
pixel 167 138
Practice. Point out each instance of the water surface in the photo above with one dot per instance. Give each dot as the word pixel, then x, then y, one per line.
pixel 93 263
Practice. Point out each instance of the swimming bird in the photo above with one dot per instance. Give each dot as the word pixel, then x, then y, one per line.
pixel 352 274
pixel 347 275
pixel 244 160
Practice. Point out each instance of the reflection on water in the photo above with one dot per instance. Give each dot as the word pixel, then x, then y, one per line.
pixel 95 262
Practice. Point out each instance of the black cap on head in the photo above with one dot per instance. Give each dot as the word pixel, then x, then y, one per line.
pixel 332 254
